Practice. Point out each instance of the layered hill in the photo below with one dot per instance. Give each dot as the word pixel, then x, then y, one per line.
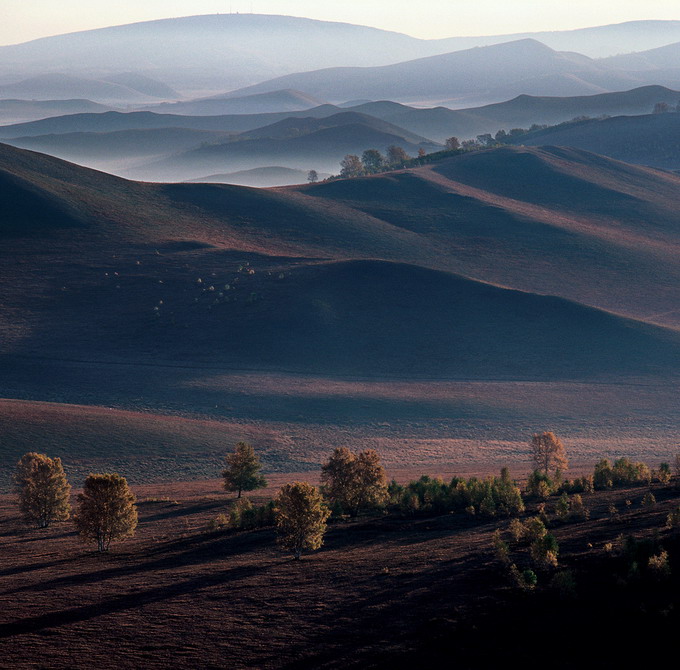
pixel 306 143
pixel 411 273
pixel 287 100
pixel 260 177
pixel 650 139
pixel 14 111
pixel 490 73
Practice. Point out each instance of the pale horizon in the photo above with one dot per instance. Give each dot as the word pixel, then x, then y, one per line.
pixel 40 19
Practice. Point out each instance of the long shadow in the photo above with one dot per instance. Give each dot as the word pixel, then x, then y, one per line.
pixel 200 551
pixel 180 510
pixel 128 601
pixel 8 572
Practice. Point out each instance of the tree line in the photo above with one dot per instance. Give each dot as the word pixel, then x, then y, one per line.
pixel 351 484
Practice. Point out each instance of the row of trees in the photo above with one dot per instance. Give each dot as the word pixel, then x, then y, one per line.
pixel 372 161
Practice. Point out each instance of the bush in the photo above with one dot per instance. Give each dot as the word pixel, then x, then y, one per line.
pixel 663 474
pixel 673 519
pixel 526 580
pixel 540 485
pixel 565 584
pixel 649 500
pixel 501 547
pixel 658 564
pixel 544 551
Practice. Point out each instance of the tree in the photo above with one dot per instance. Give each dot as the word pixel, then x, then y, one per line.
pixel 106 510
pixel 43 490
pixel 452 143
pixel 242 471
pixel 354 482
pixel 396 155
pixel 350 166
pixel 548 452
pixel 661 108
pixel 312 176
pixel 300 514
pixel 373 161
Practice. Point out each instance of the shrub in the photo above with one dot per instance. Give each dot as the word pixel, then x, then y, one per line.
pixel 544 551
pixel 577 509
pixel 564 584
pixel 603 475
pixel 534 529
pixel 663 474
pixel 562 507
pixel 658 564
pixel 220 522
pixel 517 530
pixel 540 485
pixel 649 500
pixel 501 547
pixel 673 519
pixel 526 580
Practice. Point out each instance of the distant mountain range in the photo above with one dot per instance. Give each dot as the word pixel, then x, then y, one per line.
pixel 124 88
pixel 217 53
pixel 260 177
pixel 21 111
pixel 485 74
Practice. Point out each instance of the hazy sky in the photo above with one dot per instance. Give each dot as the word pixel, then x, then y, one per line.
pixel 22 20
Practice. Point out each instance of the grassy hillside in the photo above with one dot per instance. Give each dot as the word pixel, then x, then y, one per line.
pixel 650 139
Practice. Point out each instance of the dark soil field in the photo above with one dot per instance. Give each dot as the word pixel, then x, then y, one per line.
pixel 384 591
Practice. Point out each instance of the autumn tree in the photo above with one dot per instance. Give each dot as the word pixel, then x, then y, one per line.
pixel 452 143
pixel 350 166
pixel 354 482
pixel 43 490
pixel 300 514
pixel 547 452
pixel 396 155
pixel 106 510
pixel 242 471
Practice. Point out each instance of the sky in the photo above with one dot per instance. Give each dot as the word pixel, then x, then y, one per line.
pixel 22 20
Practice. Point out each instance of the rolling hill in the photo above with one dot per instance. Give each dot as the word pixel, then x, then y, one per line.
pixel 439 314
pixel 420 232
pixel 649 139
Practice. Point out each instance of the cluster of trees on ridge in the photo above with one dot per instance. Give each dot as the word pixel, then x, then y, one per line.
pixel 351 484
pixel 373 162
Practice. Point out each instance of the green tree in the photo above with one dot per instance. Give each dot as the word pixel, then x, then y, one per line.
pixel 106 510
pixel 547 452
pixel 43 490
pixel 242 471
pixel 300 514
pixel 354 482
pixel 373 161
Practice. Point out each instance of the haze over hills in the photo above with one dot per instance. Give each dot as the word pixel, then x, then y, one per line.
pixel 260 177
pixel 489 73
pixel 64 86
pixel 435 123
pixel 22 111
pixel 222 52
pixel 287 100
pixel 306 143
